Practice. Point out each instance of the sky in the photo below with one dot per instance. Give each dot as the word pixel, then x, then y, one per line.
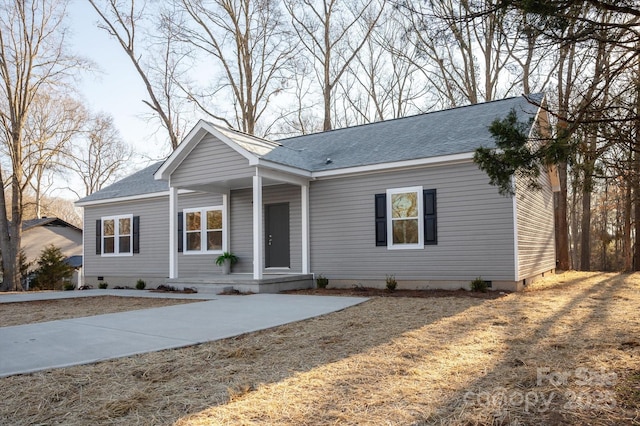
pixel 115 88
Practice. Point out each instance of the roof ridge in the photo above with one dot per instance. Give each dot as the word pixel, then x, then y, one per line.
pixel 526 96
pixel 240 132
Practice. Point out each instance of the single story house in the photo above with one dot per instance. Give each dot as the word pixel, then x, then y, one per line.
pixel 37 234
pixel 401 197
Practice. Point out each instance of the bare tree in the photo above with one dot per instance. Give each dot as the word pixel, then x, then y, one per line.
pixel 299 117
pixel 330 32
pixel 124 21
pixel 468 56
pixel 99 157
pixel 385 80
pixel 51 124
pixel 32 59
pixel 54 207
pixel 249 41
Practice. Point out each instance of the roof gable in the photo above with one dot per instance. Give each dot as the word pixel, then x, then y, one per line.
pixel 47 221
pixel 248 146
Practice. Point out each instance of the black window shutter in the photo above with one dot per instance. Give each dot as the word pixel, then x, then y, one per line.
pixel 381 219
pixel 136 234
pixel 98 236
pixel 180 231
pixel 430 220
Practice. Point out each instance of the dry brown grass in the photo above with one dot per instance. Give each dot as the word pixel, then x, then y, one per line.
pixel 50 310
pixel 461 361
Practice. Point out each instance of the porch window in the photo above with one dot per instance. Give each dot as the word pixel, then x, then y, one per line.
pixel 203 230
pixel 117 235
pixel 405 218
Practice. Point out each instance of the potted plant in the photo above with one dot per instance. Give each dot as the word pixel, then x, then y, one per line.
pixel 225 260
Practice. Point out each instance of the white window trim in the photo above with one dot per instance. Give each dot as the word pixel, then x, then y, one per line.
pixel 116 236
pixel 203 231
pixel 420 244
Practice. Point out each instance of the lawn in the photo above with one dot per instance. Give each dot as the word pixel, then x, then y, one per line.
pixel 566 351
pixel 20 313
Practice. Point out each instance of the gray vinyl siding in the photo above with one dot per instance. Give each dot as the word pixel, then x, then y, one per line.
pixel 475 228
pixel 211 160
pixel 536 235
pixel 34 240
pixel 242 224
pixel 241 242
pixel 153 259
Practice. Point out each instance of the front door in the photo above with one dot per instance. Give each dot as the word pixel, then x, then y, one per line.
pixel 276 254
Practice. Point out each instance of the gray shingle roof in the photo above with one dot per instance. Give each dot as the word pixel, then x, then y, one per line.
pixel 453 131
pixel 139 183
pixel 46 221
pixel 74 261
pixel 434 134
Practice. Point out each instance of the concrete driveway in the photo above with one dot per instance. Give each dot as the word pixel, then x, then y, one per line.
pixel 62 343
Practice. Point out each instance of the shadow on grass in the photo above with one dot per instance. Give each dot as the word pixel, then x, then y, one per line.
pixel 395 361
pixel 162 387
pixel 565 364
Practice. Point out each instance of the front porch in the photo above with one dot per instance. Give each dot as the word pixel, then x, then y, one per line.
pixel 244 282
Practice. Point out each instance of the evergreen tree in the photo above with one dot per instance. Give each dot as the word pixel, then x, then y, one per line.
pixel 52 269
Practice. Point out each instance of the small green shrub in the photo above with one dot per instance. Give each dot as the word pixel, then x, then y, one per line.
pixel 479 285
pixel 68 286
pixel 391 283
pixel 322 281
pixel 140 284
pixel 103 286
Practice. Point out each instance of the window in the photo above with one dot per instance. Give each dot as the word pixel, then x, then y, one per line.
pixel 405 218
pixel 203 231
pixel 116 235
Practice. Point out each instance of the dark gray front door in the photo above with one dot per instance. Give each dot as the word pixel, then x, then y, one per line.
pixel 276 235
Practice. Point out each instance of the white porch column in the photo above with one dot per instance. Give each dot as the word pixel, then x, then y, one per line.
pixel 304 201
pixel 225 222
pixel 257 226
pixel 173 232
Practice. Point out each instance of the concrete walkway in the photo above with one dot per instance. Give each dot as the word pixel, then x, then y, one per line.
pixel 62 343
pixel 30 296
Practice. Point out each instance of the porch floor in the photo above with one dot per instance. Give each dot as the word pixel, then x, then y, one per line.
pixel 244 282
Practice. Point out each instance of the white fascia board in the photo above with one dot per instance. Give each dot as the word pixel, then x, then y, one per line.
pixel 282 176
pixel 265 164
pixel 516 253
pixel 122 199
pixel 179 154
pixel 130 198
pixel 421 162
pixel 232 144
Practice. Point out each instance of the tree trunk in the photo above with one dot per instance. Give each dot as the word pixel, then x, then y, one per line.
pixel 574 240
pixel 585 225
pixel 605 228
pixel 587 187
pixel 627 264
pixel 636 176
pixel 636 211
pixel 562 234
